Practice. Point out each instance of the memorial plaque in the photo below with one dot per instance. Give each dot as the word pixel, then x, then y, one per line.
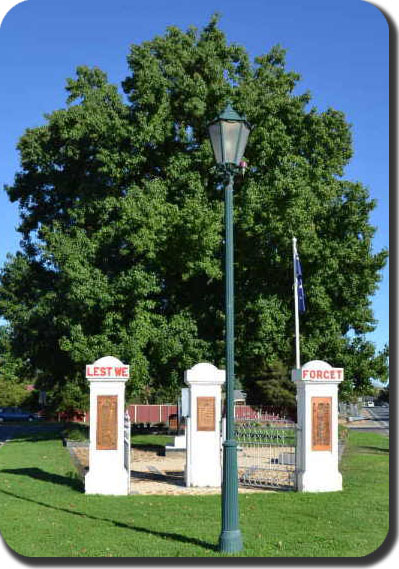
pixel 107 429
pixel 321 423
pixel 205 413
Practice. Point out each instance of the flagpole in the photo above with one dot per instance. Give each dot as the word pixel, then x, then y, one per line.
pixel 297 352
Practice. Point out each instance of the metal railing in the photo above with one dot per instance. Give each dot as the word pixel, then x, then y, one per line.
pixel 267 454
pixel 350 409
pixel 126 444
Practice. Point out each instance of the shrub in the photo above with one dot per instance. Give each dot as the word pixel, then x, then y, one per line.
pixel 76 432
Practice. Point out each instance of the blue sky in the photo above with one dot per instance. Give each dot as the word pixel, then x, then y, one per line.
pixel 340 48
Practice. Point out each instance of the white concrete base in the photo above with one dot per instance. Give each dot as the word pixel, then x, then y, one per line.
pixel 204 461
pixel 313 482
pixel 98 483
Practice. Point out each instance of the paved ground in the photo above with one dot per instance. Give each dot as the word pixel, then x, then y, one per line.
pixel 155 474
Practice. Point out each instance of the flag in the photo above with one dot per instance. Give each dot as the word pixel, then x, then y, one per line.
pixel 300 291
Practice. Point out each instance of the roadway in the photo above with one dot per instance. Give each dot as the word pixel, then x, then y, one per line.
pixel 375 419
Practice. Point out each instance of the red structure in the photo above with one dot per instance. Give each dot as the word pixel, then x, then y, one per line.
pixel 151 413
pixel 165 413
pixel 73 416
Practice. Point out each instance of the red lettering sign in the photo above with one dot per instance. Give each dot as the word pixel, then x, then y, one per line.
pixel 107 371
pixel 329 374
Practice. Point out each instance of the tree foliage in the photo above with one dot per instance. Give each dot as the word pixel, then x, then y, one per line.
pixel 271 383
pixel 14 374
pixel 122 223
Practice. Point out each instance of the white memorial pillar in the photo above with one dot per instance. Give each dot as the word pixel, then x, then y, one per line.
pixel 317 449
pixel 107 473
pixel 204 454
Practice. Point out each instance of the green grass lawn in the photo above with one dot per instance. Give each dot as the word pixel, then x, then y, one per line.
pixel 45 513
pixel 151 441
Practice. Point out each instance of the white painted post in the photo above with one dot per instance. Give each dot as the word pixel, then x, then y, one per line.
pixel 180 442
pixel 317 446
pixel 204 456
pixel 107 473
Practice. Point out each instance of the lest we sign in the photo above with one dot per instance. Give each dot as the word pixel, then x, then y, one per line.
pixel 107 372
pixel 107 367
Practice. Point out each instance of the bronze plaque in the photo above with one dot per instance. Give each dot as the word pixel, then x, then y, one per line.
pixel 205 413
pixel 107 421
pixel 321 423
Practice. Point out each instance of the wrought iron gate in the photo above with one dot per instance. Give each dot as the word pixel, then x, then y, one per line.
pixel 266 454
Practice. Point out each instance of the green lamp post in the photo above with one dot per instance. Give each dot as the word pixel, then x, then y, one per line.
pixel 229 135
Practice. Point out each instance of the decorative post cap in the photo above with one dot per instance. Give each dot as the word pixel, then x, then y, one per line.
pixel 205 373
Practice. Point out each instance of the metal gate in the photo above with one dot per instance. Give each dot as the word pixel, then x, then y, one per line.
pixel 126 445
pixel 266 454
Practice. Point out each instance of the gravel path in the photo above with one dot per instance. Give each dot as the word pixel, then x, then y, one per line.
pixel 152 473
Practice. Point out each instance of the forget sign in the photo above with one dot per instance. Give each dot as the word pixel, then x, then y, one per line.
pixel 317 370
pixel 333 373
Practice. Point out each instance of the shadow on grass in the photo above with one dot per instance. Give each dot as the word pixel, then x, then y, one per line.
pixel 163 534
pixel 39 474
pixel 373 450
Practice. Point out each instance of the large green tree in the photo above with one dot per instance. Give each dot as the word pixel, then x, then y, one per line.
pixel 122 224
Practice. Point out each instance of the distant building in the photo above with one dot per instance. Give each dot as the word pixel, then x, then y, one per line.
pixel 240 397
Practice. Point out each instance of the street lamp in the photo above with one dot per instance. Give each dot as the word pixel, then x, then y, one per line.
pixel 229 135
